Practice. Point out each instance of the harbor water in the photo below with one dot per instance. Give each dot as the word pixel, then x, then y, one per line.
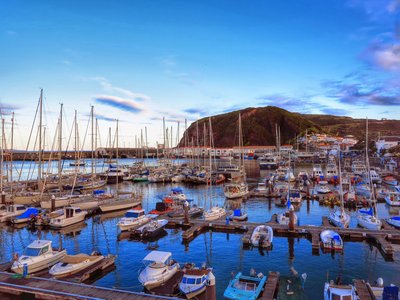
pixel 224 252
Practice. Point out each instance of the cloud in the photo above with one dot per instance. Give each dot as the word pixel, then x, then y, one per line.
pixel 197 111
pixel 108 87
pixel 356 93
pixel 384 56
pixel 104 118
pixel 7 109
pixel 119 103
pixel 334 111
pixel 375 9
pixel 303 104
pixel 393 6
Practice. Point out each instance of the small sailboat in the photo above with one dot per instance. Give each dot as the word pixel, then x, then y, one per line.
pixel 30 213
pixel 245 287
pixel 214 213
pixel 134 218
pixel 159 268
pixel 331 240
pixel 284 218
pixel 71 264
pixel 195 281
pixel 262 236
pixel 71 215
pixel 339 292
pixel 151 229
pixel 39 255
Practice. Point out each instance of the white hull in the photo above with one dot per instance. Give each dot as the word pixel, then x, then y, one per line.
pixel 47 261
pixel 369 222
pixel 214 213
pixel 68 221
pixel 65 268
pixel 118 205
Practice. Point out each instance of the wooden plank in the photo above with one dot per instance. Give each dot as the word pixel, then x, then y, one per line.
pixel 271 286
pixel 362 290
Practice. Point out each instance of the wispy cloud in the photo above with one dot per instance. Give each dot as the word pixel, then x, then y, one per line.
pixel 119 103
pixel 303 104
pixel 7 109
pixel 197 111
pixel 334 111
pixel 104 118
pixel 384 55
pixel 108 87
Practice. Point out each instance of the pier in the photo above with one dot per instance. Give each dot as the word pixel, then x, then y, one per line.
pixel 44 288
pixel 383 239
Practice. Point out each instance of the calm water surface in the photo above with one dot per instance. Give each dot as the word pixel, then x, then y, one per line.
pixel 222 251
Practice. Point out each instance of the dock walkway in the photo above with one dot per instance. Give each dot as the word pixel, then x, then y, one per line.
pixel 44 288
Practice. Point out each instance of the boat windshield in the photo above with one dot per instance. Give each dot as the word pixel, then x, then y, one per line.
pixel 132 214
pixel 32 251
pixel 189 280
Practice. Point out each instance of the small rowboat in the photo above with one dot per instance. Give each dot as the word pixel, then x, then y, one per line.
pixel 331 240
pixel 72 264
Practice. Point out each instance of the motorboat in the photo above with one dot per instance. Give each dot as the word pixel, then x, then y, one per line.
pixel 115 174
pixel 322 187
pixel 374 176
pixel 159 268
pixel 234 190
pixel 382 292
pixel 12 211
pixel 339 292
pixel 72 264
pixel 262 236
pixel 214 213
pixel 339 218
pixel 393 198
pixel 331 171
pixel 261 188
pixel 363 189
pixel 390 180
pixel 134 218
pixel 30 213
pixel 195 281
pixel 177 195
pixel 368 220
pixel 394 221
pixel 71 215
pixel 238 215
pixel 151 229
pixel 295 196
pixel 331 240
pixel 268 162
pixel 245 287
pixel 39 255
pixel 193 212
pixel 358 168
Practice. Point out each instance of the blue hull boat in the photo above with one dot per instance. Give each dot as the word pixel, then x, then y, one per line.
pixel 245 287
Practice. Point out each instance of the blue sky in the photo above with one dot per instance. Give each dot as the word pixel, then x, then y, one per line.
pixel 141 60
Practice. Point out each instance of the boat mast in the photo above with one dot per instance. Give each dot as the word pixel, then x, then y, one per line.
pixel 92 125
pixel 12 151
pixel 60 146
pixel 340 184
pixel 2 154
pixel 40 136
pixel 116 155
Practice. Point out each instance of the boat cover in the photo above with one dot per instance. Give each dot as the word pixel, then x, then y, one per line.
pixel 237 213
pixel 32 211
pixel 390 292
pixel 158 256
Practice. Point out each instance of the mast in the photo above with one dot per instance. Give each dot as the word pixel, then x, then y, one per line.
pixel 340 185
pixel 60 146
pixel 147 145
pixel 109 142
pixel 164 133
pixel 116 138
pixel 12 151
pixel 40 135
pixel 92 146
pixel 185 138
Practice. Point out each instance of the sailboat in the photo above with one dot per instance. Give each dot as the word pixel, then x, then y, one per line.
pixel 238 188
pixel 340 218
pixel 368 218
pixel 283 218
pixel 215 212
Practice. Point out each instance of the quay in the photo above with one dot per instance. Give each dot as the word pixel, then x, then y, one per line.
pixel 383 239
pixel 44 288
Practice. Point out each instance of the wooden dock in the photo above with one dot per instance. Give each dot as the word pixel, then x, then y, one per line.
pixel 383 238
pixel 271 287
pixel 363 291
pixel 44 288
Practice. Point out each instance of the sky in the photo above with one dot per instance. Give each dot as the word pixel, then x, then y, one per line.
pixel 139 61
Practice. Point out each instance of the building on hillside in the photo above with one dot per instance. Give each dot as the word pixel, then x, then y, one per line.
pixel 387 142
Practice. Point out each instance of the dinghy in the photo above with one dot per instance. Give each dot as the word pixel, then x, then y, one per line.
pixel 245 287
pixel 214 213
pixel 39 255
pixel 331 240
pixel 134 218
pixel 262 236
pixel 71 264
pixel 238 215
pixel 159 268
pixel 151 229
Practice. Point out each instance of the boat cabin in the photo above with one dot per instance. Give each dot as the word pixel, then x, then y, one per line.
pixel 38 247
pixel 72 211
pixel 158 259
pixel 134 213
pixel 340 293
pixel 15 208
